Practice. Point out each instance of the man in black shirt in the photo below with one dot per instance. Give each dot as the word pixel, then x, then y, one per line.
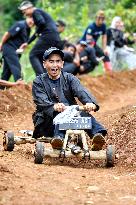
pixel 11 41
pixel 52 92
pixel 88 60
pixel 46 31
pixel 93 33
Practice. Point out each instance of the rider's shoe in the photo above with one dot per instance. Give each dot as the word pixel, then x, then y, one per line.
pixel 98 142
pixel 57 142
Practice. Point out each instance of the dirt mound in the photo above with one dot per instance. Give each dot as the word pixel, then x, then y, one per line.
pixel 122 134
pixel 19 99
pixel 15 101
pixel 106 85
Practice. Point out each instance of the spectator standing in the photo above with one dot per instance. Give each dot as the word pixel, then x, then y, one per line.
pixel 46 31
pixel 93 33
pixel 11 41
pixel 122 56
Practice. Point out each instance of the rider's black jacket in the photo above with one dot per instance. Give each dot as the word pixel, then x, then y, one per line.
pixel 44 97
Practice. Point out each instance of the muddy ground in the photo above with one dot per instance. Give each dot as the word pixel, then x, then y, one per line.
pixel 75 181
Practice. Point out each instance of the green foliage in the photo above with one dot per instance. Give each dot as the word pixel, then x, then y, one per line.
pixel 128 16
pixel 128 4
pixel 9 12
pixel 76 13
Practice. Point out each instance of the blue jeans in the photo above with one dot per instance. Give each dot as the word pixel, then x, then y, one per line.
pixel 96 128
pixel 48 129
pixel 11 63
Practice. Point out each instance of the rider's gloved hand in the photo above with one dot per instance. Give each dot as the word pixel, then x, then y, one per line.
pixel 90 107
pixel 59 107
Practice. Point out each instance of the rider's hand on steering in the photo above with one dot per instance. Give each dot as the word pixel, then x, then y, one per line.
pixel 59 107
pixel 90 107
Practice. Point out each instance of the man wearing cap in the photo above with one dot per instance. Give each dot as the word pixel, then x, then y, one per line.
pixel 11 41
pixel 46 31
pixel 87 56
pixel 52 92
pixel 93 33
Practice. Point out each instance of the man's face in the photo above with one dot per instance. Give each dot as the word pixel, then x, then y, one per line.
pixel 53 65
pixel 71 50
pixel 28 12
pixel 60 28
pixel 80 48
pixel 99 20
pixel 117 24
pixel 30 22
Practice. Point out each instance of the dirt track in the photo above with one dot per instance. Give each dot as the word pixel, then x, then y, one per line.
pixel 72 182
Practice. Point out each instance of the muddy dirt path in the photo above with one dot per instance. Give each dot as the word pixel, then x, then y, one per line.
pixel 74 182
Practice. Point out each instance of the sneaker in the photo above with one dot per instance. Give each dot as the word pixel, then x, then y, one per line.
pixel 57 142
pixel 98 142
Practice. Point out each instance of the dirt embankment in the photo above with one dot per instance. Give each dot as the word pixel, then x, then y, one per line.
pixel 83 183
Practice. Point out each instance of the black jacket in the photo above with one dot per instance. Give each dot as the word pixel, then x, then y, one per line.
pixel 116 36
pixel 19 34
pixel 44 97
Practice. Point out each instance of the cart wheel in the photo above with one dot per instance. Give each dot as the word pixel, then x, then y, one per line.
pixel 8 141
pixel 39 153
pixel 110 156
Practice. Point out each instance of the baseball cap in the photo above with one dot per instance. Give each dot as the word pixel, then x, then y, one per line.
pixel 83 43
pixel 53 50
pixel 25 5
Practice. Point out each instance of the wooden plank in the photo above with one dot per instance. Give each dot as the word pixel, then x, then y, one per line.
pixel 93 154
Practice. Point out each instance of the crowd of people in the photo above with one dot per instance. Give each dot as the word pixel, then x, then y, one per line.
pixel 80 57
pixel 55 61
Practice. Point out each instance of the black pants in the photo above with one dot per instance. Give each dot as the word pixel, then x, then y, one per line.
pixel 70 68
pixel 88 67
pixel 99 53
pixel 36 54
pixel 11 64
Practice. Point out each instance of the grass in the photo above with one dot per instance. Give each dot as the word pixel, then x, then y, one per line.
pixel 27 70
pixel 97 71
